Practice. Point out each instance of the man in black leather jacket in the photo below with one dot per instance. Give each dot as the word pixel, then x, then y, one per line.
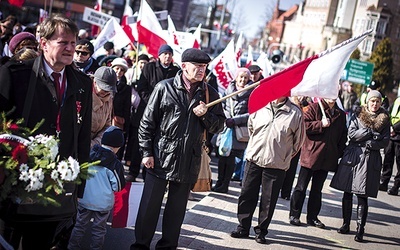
pixel 170 138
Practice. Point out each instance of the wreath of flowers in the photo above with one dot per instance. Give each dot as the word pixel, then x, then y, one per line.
pixel 31 170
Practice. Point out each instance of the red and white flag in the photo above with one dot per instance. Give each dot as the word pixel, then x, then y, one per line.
pixel 43 15
pixel 224 66
pixel 124 23
pixel 249 60
pixel 316 76
pixel 95 28
pixel 239 48
pixel 172 35
pixel 197 37
pixel 149 29
pixel 126 205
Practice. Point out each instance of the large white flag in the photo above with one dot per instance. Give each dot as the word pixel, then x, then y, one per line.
pixel 224 66
pixel 112 32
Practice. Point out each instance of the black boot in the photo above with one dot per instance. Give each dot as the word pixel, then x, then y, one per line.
pixel 393 191
pixel 362 212
pixel 347 207
pixel 221 174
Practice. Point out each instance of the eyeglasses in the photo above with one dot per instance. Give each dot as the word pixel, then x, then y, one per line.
pixel 83 53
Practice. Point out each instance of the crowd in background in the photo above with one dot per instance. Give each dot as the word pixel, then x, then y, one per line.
pixel 125 95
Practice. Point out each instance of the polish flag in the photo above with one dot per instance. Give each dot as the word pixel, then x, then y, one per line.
pixel 124 23
pixel 250 59
pixel 43 15
pixel 173 37
pixel 316 76
pixel 95 28
pixel 197 37
pixel 224 66
pixel 126 205
pixel 239 48
pixel 149 29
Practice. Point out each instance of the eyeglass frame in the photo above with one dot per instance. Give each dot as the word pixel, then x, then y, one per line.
pixel 83 53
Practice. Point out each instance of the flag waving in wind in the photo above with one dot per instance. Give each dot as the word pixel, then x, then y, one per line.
pixel 317 76
pixel 124 23
pixel 150 32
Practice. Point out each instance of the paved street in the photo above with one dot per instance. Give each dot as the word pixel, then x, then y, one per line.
pixel 209 221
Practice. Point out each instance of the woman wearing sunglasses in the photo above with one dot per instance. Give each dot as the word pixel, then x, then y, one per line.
pixel 83 57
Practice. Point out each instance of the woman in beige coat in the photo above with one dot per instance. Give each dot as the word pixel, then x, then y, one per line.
pixel 104 83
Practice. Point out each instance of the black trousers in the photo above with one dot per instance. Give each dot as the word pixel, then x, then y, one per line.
pixel 271 182
pixel 149 212
pixel 35 235
pixel 315 197
pixel 132 153
pixel 290 176
pixel 392 153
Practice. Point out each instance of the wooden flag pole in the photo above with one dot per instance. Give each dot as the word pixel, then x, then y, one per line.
pixel 232 94
pixel 322 108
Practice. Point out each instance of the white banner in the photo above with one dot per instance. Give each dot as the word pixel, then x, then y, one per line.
pixel 96 17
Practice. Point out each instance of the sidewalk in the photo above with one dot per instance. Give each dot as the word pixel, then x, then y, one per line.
pixel 209 221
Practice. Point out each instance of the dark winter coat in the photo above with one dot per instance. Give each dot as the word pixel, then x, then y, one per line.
pixel 76 113
pixel 88 67
pixel 360 168
pixel 122 102
pixel 323 147
pixel 152 73
pixel 171 133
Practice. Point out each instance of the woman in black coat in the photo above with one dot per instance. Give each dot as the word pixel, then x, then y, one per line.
pixel 359 170
pixel 122 100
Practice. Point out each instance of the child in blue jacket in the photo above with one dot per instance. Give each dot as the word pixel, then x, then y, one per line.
pixel 98 198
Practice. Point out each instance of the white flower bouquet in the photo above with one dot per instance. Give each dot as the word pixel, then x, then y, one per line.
pixel 30 168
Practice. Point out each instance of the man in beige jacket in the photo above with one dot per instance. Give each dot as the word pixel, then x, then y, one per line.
pixel 276 135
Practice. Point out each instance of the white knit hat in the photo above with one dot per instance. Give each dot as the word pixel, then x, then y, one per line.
pixel 120 62
pixel 374 94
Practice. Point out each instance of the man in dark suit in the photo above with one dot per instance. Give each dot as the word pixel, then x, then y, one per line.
pixel 31 90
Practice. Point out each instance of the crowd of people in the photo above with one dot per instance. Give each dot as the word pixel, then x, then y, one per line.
pixel 150 113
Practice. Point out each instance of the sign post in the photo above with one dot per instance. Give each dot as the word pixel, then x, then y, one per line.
pixel 357 71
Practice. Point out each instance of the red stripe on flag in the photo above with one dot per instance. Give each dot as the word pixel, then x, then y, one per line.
pixel 150 39
pixel 278 85
pixel 121 207
pixel 128 30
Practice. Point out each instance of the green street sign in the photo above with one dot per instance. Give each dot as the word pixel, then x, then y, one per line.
pixel 357 71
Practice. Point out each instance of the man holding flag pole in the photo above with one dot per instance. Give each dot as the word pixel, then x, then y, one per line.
pixel 315 76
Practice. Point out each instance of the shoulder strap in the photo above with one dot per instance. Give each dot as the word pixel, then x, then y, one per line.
pixel 31 89
pixel 207 100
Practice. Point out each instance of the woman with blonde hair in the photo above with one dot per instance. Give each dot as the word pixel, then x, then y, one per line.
pixel 237 114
